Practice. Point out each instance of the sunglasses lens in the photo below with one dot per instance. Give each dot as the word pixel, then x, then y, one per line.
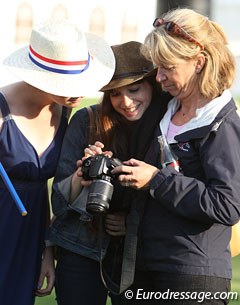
pixel 158 21
pixel 169 27
pixel 174 29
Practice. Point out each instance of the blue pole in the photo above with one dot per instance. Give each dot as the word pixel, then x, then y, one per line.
pixel 12 191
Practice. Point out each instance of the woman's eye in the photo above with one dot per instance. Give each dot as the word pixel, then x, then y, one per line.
pixel 170 68
pixel 132 90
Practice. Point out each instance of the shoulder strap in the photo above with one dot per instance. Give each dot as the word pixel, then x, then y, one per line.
pixel 94 124
pixel 91 124
pixel 4 107
pixel 90 113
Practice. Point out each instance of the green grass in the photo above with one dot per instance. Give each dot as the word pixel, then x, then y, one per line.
pixel 49 300
pixel 236 279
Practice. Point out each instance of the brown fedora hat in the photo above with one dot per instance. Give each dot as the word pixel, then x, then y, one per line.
pixel 131 65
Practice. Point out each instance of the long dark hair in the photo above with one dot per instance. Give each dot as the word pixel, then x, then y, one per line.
pixel 112 128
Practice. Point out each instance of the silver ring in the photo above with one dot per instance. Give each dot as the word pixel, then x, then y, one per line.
pixel 126 184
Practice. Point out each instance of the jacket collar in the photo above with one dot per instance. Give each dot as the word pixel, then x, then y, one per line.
pixel 204 120
pixel 204 130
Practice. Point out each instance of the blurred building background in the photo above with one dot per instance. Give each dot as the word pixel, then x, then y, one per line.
pixel 115 21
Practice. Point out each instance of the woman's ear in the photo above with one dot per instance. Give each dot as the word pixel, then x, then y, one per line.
pixel 200 62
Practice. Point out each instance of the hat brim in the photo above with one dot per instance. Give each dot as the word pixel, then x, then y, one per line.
pixel 99 72
pixel 120 82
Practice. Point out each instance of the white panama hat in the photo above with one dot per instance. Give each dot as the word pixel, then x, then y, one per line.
pixel 63 60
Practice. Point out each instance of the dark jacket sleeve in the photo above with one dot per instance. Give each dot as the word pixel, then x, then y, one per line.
pixel 75 140
pixel 218 198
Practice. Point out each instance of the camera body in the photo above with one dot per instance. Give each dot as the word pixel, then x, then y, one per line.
pixel 98 168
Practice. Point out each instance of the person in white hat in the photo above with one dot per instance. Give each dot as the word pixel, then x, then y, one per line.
pixel 60 65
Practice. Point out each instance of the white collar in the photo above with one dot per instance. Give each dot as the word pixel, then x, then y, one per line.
pixel 204 116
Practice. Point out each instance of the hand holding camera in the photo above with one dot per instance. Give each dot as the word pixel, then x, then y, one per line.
pixel 96 148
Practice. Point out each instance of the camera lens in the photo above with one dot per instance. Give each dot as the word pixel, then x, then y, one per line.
pixel 99 197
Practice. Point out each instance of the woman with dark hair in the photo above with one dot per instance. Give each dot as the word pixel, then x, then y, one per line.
pixel 125 122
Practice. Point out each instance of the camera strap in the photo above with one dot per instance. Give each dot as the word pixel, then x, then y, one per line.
pixel 93 124
pixel 130 242
pixel 128 259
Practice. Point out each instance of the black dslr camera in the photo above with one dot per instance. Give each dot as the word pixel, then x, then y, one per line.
pixel 98 168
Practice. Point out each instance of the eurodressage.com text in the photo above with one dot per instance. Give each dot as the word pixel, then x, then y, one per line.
pixel 184 295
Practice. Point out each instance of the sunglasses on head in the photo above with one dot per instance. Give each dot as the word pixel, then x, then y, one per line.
pixel 173 29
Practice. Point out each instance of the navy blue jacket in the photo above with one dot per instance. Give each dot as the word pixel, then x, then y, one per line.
pixel 186 228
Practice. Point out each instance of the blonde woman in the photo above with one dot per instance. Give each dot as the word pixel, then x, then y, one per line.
pixel 186 226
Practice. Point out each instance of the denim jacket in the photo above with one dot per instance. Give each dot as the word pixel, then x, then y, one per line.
pixel 70 229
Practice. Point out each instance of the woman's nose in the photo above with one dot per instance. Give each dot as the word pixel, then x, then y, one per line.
pixel 160 76
pixel 126 100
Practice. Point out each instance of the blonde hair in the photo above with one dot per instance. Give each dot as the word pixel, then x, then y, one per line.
pixel 166 49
